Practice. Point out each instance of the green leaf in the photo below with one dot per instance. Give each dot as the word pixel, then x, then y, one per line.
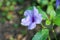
pixel 57 21
pixel 2 20
pixel 41 35
pixel 13 3
pixel 11 38
pixel 8 3
pixel 57 18
pixel 53 1
pixel 58 12
pixel 30 7
pixel 23 32
pixel 11 8
pixel 51 12
pixel 21 12
pixel 43 2
pixel 15 25
pixel 44 15
pixel 20 1
pixel 6 9
pixel 9 16
pixel 4 14
pixel 1 4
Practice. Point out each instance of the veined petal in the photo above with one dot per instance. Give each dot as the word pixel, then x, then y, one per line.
pixel 38 19
pixel 35 11
pixel 32 26
pixel 28 13
pixel 26 21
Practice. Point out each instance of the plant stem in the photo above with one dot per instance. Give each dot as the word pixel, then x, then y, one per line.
pixel 49 37
pixel 43 26
pixel 54 34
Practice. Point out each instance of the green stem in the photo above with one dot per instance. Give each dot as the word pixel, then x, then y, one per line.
pixel 49 38
pixel 54 32
pixel 43 26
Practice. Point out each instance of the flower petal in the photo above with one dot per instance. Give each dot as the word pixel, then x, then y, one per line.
pixel 38 19
pixel 26 21
pixel 35 11
pixel 57 3
pixel 32 26
pixel 28 13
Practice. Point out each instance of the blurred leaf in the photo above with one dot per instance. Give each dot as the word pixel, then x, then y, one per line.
pixel 8 3
pixel 21 12
pixel 11 0
pixel 41 35
pixel 53 1
pixel 15 25
pixel 30 8
pixel 6 9
pixel 4 14
pixel 58 12
pixel 11 38
pixel 57 18
pixel 23 32
pixel 48 22
pixel 20 1
pixel 43 2
pixel 1 4
pixel 11 7
pixel 13 3
pixel 51 12
pixel 2 20
pixel 44 15
pixel 58 7
pixel 9 16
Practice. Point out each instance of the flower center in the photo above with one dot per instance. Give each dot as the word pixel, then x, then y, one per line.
pixel 33 19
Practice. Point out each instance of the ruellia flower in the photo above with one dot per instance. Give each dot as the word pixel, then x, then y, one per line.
pixel 32 17
pixel 57 3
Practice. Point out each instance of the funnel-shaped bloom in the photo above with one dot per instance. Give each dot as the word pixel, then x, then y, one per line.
pixel 32 17
pixel 57 3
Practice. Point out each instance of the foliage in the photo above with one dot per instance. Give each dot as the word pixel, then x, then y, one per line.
pixel 41 35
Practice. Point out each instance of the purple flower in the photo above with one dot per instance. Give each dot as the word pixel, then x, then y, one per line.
pixel 57 3
pixel 32 17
